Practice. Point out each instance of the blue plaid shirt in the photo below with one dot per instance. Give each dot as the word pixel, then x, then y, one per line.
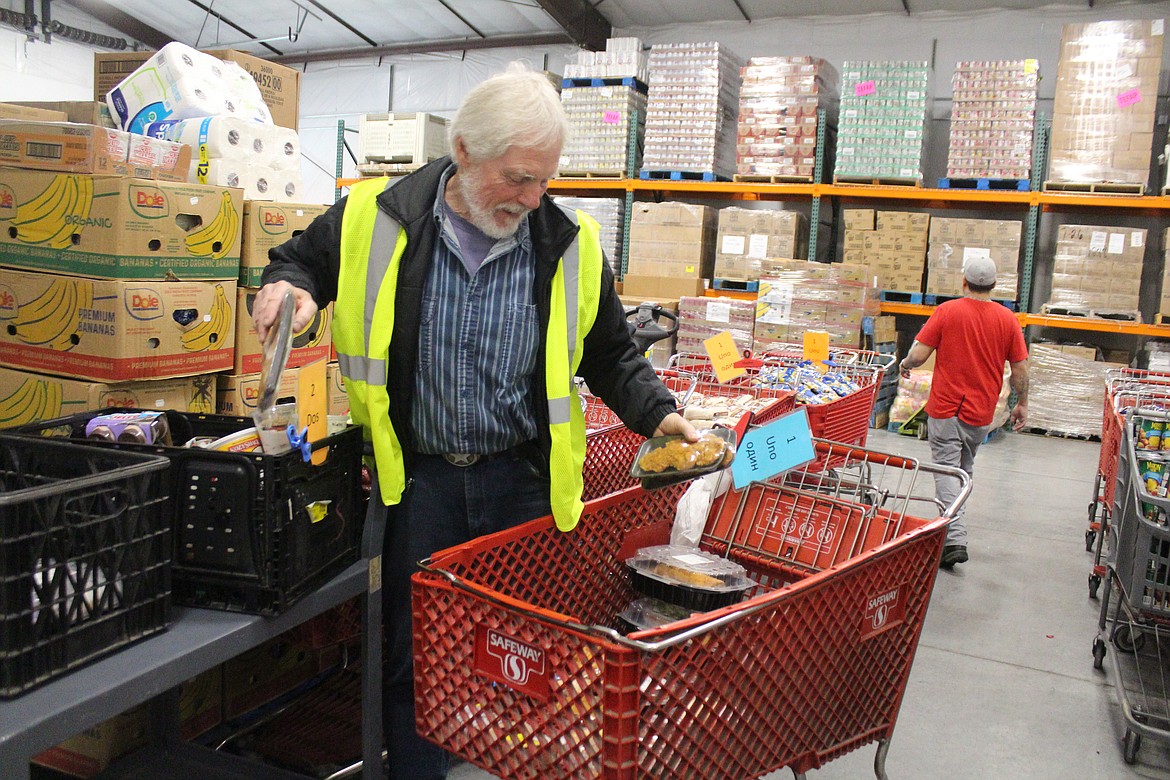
pixel 478 342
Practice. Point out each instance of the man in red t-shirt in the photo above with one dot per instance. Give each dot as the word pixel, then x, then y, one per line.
pixel 973 336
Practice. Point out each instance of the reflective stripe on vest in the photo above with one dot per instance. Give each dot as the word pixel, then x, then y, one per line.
pixel 364 323
pixel 576 292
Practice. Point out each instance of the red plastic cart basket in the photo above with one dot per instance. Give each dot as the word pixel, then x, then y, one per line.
pixel 518 668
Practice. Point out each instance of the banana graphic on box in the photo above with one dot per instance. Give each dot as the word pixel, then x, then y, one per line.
pixel 50 319
pixel 211 332
pixel 46 218
pixel 217 237
pixel 34 400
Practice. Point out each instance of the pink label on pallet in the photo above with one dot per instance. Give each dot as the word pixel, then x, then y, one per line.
pixel 865 88
pixel 1129 98
pixel 611 117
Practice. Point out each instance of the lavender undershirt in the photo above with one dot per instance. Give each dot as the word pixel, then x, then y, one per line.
pixel 474 244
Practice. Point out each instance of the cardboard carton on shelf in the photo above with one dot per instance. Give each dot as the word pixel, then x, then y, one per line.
pixel 28 397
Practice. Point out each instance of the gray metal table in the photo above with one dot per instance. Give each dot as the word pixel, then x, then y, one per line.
pixel 197 640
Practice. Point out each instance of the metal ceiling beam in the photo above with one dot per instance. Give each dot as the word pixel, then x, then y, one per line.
pixel 584 23
pixel 742 12
pixel 110 16
pixel 428 47
pixel 342 22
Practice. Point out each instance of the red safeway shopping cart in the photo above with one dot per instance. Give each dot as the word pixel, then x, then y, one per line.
pixel 519 669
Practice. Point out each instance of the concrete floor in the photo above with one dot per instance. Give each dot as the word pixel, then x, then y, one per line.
pixel 1003 684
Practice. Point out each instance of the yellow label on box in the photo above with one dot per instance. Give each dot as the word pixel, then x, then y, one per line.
pixel 724 354
pixel 312 407
pixel 816 348
pixel 1031 66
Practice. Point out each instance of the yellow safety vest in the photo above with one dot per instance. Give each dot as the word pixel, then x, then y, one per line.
pixel 364 322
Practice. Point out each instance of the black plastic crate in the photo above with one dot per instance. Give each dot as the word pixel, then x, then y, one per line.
pixel 85 555
pixel 253 532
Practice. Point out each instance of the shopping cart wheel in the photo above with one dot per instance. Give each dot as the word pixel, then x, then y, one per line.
pixel 1126 639
pixel 1133 743
pixel 1094 583
pixel 1098 652
pixel 1090 537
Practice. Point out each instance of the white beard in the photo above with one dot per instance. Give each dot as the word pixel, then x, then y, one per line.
pixel 470 187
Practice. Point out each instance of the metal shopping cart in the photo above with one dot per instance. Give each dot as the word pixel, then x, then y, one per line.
pixel 520 670
pixel 1135 602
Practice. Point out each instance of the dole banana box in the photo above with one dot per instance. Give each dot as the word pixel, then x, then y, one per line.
pixel 114 227
pixel 311 344
pixel 238 394
pixel 336 396
pixel 266 225
pixel 27 397
pixel 115 331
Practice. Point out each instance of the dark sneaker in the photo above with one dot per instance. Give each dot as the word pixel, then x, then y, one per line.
pixel 952 554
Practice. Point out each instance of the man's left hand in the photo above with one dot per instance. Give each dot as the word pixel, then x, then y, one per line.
pixel 677 425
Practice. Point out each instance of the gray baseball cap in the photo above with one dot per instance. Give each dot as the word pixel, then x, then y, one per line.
pixel 979 271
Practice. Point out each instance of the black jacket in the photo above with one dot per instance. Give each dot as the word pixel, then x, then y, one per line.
pixel 610 365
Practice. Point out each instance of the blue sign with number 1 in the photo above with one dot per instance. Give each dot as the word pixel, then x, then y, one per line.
pixel 777 446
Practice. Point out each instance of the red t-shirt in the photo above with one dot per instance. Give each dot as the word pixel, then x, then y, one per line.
pixel 972 339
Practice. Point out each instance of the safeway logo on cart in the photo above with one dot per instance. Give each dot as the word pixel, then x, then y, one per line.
pixel 882 611
pixel 514 662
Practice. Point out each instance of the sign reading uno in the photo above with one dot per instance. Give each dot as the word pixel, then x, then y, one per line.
pixel 514 662
pixel 883 610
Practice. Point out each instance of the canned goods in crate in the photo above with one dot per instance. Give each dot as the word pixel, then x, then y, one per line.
pixel 1150 428
pixel 1153 473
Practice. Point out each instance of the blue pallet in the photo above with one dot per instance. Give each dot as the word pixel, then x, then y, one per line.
pixel 935 300
pixel 627 81
pixel 930 299
pixel 682 175
pixel 1019 185
pixel 738 285
pixel 896 296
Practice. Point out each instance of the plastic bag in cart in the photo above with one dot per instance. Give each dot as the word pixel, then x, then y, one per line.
pixel 690 516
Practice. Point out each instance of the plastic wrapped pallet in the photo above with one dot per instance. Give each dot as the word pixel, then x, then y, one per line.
pixel 882 128
pixel 778 103
pixel 955 241
pixel 672 239
pixel 622 58
pixel 796 296
pixel 701 318
pixel 993 109
pixel 891 245
pixel 610 214
pixel 600 118
pixel 1097 270
pixel 747 236
pixel 1164 301
pixel 1067 389
pixel 691 110
pixel 1106 91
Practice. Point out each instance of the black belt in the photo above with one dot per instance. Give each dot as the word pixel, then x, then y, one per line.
pixel 465 459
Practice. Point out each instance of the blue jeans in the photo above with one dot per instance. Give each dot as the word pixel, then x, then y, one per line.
pixel 445 505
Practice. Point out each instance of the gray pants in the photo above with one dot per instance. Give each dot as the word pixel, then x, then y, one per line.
pixel 953 443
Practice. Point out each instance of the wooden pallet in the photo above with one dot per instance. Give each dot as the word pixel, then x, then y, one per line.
pixel 1090 313
pixel 387 168
pixel 591 175
pixel 1095 187
pixel 879 181
pixel 1161 319
pixel 763 178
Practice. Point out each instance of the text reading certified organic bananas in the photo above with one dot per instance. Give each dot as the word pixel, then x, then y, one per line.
pixel 35 399
pixel 52 217
pixel 211 332
pixel 217 237
pixel 51 319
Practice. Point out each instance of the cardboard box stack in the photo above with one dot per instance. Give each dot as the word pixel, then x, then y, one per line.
pixel 993 109
pixel 1097 269
pixel 882 127
pixel 797 296
pixel 890 245
pixel 1067 389
pixel 610 214
pixel 602 119
pixel 672 250
pixel 691 109
pixel 955 241
pixel 622 58
pixel 701 318
pixel 71 147
pixel 778 103
pixel 747 236
pixel 1106 91
pixel 1164 301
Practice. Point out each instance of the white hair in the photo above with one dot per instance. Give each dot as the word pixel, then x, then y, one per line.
pixel 518 107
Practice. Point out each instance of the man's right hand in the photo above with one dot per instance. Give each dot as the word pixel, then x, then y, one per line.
pixel 266 307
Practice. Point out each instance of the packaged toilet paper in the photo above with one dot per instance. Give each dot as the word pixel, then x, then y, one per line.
pixel 223 137
pixel 179 82
pixel 286 149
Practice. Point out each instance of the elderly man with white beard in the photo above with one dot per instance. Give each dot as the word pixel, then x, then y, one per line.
pixel 466 303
